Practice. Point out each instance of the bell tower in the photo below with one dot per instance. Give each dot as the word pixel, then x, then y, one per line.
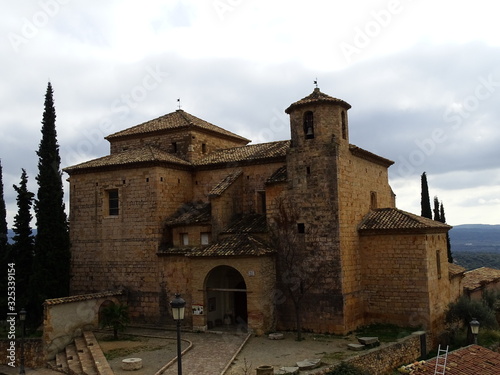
pixel 319 118
pixel 319 133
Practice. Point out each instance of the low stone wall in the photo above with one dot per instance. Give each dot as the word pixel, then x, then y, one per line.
pixel 384 360
pixel 66 318
pixel 33 353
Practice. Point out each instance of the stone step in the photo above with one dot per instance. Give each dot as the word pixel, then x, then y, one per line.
pixel 84 356
pixel 62 362
pixel 101 364
pixel 74 365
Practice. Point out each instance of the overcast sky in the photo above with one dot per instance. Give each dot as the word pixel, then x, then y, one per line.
pixel 423 79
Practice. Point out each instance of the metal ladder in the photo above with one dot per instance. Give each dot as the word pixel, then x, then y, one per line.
pixel 441 359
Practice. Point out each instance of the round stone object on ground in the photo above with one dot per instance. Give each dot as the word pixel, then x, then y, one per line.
pixel 131 364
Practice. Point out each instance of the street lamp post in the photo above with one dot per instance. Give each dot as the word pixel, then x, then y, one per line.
pixel 22 317
pixel 474 327
pixel 178 306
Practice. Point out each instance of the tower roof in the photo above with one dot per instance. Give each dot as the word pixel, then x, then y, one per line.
pixel 317 97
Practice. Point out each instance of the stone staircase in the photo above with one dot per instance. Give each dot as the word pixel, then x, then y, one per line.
pixel 83 357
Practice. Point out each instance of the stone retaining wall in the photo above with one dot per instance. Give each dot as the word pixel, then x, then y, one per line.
pixel 384 360
pixel 33 353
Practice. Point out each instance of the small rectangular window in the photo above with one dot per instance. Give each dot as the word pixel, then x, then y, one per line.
pixel 113 202
pixel 204 148
pixel 204 238
pixel 301 228
pixel 184 239
pixel 174 147
pixel 438 263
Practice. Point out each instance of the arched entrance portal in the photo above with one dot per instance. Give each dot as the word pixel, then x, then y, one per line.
pixel 226 297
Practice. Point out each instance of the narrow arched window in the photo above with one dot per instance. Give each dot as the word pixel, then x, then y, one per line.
pixel 344 126
pixel 309 125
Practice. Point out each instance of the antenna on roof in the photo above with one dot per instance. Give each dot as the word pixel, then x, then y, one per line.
pixel 316 82
pixel 179 103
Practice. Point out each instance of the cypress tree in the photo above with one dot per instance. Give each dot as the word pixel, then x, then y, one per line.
pixel 4 249
pixel 51 271
pixel 437 216
pixel 425 201
pixel 3 221
pixel 22 248
pixel 448 242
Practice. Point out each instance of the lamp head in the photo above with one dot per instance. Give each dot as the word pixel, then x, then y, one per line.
pixel 178 306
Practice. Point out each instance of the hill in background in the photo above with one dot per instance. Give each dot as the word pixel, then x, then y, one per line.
pixel 476 245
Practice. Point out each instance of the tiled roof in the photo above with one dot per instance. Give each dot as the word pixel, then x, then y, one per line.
pixel 146 154
pixel 225 183
pixel 471 360
pixel 261 151
pixel 319 97
pixel 83 297
pixel 279 175
pixel 251 223
pixel 172 121
pixel 234 245
pixel 191 213
pixel 370 156
pixel 455 269
pixel 387 219
pixel 480 276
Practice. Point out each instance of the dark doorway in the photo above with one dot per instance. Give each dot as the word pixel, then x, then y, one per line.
pixel 225 298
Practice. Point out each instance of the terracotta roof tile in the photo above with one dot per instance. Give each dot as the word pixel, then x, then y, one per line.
pixel 83 297
pixel 172 121
pixel 234 245
pixel 280 175
pixel 225 183
pixel 480 276
pixel 471 360
pixel 146 154
pixel 191 213
pixel 455 269
pixel 256 152
pixel 250 223
pixel 319 97
pixel 370 156
pixel 388 219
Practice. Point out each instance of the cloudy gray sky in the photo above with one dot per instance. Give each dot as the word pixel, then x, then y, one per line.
pixel 423 79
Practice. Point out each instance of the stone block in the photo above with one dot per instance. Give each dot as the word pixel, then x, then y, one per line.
pixel 356 347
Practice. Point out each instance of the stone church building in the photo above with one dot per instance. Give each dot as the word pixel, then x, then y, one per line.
pixel 182 205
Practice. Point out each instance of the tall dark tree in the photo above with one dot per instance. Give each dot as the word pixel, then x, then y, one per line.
pixel 3 220
pixel 437 212
pixel 51 271
pixel 425 201
pixel 23 246
pixel 448 242
pixel 4 248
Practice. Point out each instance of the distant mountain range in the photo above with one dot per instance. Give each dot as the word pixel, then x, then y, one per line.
pixel 10 234
pixel 475 238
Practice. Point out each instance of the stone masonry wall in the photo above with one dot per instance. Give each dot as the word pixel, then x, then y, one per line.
pixel 358 180
pixel 33 353
pixel 401 281
pixel 119 251
pixel 189 144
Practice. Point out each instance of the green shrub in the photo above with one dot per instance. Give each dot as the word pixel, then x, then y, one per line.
pixel 116 317
pixel 347 369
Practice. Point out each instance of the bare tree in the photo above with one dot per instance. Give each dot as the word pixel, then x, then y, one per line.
pixel 299 268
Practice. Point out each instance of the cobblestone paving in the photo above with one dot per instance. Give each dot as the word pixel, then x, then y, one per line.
pixel 210 355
